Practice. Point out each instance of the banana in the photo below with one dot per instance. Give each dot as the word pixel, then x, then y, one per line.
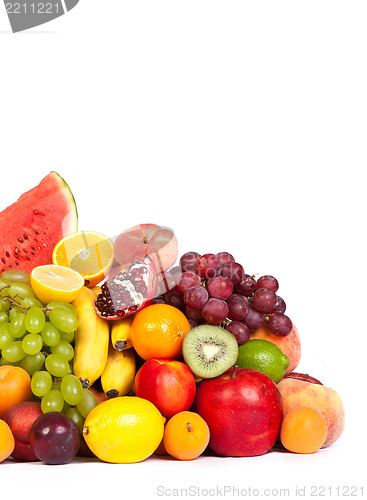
pixel 118 376
pixel 121 333
pixel 91 340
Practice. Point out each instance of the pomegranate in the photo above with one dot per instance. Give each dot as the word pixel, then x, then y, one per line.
pixel 128 291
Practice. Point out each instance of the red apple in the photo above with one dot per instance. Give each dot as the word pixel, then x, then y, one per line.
pixel 20 419
pixel 168 384
pixel 243 409
pixel 147 239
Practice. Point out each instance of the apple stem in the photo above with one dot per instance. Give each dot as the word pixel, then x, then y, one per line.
pixel 234 372
pixel 189 428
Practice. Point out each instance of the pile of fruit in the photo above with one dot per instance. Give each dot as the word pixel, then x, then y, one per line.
pixel 110 349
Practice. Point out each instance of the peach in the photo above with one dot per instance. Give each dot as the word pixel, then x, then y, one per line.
pixel 20 419
pixel 298 393
pixel 289 345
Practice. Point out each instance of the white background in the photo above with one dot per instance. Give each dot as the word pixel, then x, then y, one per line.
pixel 242 126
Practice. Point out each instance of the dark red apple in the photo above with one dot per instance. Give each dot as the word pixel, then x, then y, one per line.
pixel 168 384
pixel 243 409
pixel 158 242
pixel 20 418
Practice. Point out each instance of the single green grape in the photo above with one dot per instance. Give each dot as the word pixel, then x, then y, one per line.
pixel 4 287
pixel 31 302
pixel 19 291
pixel 64 349
pixel 14 351
pixel 68 337
pixel 17 326
pixel 50 335
pixel 41 383
pixel 32 343
pixel 4 318
pixel 4 304
pixel 52 401
pixel 75 416
pixel 5 337
pixel 16 275
pixel 32 363
pixel 71 389
pixel 63 319
pixel 87 403
pixel 35 320
pixel 65 305
pixel 14 311
pixel 57 365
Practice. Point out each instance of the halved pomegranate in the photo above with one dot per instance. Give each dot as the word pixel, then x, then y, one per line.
pixel 128 291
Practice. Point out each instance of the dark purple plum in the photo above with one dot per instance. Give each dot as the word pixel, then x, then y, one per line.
pixel 55 438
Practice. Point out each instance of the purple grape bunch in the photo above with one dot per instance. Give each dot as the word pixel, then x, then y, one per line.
pixel 214 289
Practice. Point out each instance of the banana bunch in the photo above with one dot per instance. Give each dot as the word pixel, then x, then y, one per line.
pixel 101 354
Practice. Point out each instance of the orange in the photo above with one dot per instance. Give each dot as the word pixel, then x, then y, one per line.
pixel 87 252
pixel 15 387
pixel 186 435
pixel 7 442
pixel 158 332
pixel 303 430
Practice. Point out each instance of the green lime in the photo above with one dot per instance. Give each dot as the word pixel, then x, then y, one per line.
pixel 263 356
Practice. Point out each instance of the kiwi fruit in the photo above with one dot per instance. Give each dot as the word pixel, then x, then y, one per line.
pixel 209 350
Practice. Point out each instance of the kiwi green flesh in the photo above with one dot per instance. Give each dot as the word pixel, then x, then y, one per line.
pixel 209 350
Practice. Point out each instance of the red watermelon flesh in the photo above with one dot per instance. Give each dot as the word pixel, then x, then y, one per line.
pixel 31 227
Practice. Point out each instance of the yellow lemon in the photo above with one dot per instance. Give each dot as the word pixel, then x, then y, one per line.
pixel 87 252
pixel 124 430
pixel 59 283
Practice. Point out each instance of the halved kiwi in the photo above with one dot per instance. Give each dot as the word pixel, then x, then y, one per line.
pixel 209 350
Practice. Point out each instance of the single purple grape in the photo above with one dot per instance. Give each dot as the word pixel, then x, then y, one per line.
pixel 54 438
pixel 215 311
pixel 254 319
pixel 264 300
pixel 196 297
pixel 208 266
pixel 280 305
pixel 247 286
pixel 279 324
pixel 220 288
pixel 225 257
pixel 268 282
pixel 193 314
pixel 187 280
pixel 158 300
pixel 234 271
pixel 188 261
pixel 238 307
pixel 240 331
pixel 175 299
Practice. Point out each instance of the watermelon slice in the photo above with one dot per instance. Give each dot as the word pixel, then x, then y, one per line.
pixel 31 227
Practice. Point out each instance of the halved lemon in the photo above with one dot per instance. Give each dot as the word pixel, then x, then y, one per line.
pixel 51 282
pixel 88 253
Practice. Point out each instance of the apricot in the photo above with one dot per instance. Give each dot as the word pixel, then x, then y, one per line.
pixel 7 442
pixel 15 387
pixel 303 430
pixel 186 435
pixel 289 345
pixel 324 400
